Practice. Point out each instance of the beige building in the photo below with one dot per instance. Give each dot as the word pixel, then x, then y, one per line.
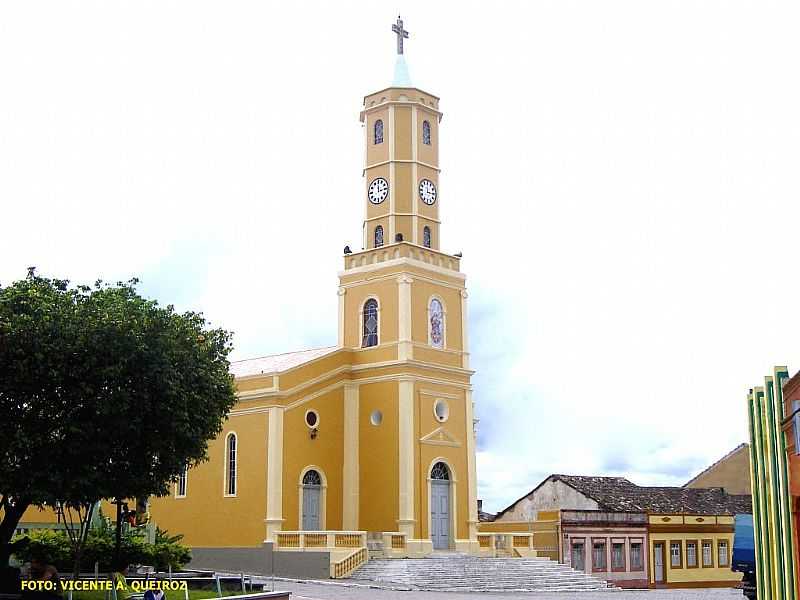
pixel 731 472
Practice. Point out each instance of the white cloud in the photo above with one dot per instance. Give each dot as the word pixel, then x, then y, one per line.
pixel 621 178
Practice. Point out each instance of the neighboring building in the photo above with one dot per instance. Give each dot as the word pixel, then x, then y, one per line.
pixel 610 544
pixel 731 472
pixel 791 429
pixel 775 473
pixel 687 533
pixel 374 435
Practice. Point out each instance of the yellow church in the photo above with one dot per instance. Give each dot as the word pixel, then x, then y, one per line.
pixel 371 439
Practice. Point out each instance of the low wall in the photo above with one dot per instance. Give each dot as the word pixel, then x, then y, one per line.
pixel 261 560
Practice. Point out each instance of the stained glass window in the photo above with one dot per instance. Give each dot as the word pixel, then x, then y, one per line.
pixel 437 324
pixel 426 236
pixel 379 236
pixel 312 478
pixel 370 337
pixel 378 131
pixel 231 464
pixel 440 471
pixel 426 133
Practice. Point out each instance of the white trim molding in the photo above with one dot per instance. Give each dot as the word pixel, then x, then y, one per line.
pixel 350 470
pixel 274 508
pixel 453 503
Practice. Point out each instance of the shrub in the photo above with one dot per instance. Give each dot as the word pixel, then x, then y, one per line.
pixel 54 546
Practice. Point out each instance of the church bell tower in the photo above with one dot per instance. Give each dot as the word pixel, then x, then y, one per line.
pixel 403 316
pixel 401 161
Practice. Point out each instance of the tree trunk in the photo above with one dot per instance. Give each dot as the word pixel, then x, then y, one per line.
pixel 83 532
pixel 11 517
pixel 118 533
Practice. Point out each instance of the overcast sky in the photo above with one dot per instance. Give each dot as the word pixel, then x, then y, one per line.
pixel 622 178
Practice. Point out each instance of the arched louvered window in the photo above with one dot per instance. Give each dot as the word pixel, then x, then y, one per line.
pixel 379 236
pixel 378 132
pixel 440 471
pixel 426 133
pixel 230 479
pixel 437 323
pixel 370 321
pixel 312 478
pixel 426 236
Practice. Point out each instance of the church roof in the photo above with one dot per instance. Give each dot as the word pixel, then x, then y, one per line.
pixel 275 363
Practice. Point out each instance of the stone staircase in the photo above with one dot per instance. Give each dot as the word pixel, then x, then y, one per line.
pixel 457 572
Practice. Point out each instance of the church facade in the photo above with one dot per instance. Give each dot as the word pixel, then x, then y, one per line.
pixel 374 436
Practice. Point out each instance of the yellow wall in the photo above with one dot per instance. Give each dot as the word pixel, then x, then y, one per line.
pixel 379 467
pixel 206 516
pixel 666 529
pixel 324 452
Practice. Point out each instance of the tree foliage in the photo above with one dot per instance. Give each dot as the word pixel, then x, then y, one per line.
pixel 103 393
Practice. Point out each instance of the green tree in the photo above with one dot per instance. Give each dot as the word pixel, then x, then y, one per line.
pixel 103 393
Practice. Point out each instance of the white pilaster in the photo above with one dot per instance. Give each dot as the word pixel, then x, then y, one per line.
pixel 472 484
pixel 405 349
pixel 464 333
pixel 342 292
pixel 406 520
pixel 350 473
pixel 274 520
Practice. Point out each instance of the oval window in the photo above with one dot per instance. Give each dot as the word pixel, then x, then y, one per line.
pixel 441 410
pixel 376 418
pixel 312 418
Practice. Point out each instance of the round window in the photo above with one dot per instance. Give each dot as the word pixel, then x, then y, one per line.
pixel 312 418
pixel 441 410
pixel 376 417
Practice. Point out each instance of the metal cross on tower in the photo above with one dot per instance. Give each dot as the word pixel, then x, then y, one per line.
pixel 401 33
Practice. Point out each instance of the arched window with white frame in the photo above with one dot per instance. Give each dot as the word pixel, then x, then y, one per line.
pixel 369 321
pixel 378 132
pixel 231 450
pixel 379 236
pixel 436 323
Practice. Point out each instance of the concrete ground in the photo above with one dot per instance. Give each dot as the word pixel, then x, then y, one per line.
pixel 335 591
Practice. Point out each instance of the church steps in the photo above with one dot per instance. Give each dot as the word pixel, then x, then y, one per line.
pixel 465 573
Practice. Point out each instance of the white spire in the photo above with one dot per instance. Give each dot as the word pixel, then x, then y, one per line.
pixel 401 76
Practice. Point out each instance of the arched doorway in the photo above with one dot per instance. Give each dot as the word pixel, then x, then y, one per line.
pixel 312 493
pixel 440 506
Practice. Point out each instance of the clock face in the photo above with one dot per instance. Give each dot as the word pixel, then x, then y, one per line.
pixel 427 191
pixel 378 190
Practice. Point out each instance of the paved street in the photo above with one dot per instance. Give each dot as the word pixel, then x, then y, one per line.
pixel 332 591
